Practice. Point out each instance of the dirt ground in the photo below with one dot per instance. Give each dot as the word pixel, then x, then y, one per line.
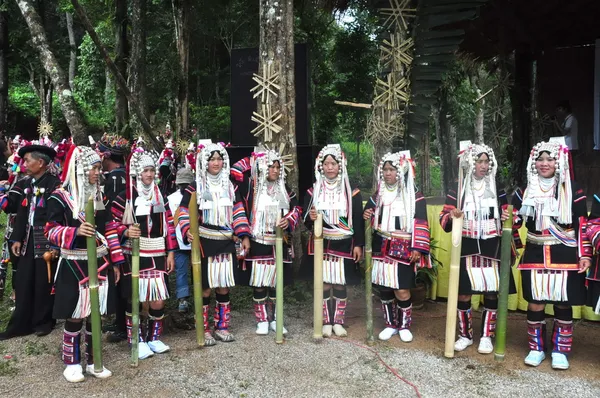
pixel 429 325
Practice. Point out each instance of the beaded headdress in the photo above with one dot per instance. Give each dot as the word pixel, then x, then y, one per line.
pixel 79 160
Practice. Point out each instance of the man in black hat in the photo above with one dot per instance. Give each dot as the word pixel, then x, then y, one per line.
pixel 113 150
pixel 34 301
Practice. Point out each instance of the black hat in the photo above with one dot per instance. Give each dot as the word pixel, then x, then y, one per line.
pixel 46 150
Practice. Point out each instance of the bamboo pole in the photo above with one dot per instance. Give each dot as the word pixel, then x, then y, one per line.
pixel 457 225
pixel 505 270
pixel 318 279
pixel 279 286
pixel 94 294
pixel 135 299
pixel 368 280
pixel 196 270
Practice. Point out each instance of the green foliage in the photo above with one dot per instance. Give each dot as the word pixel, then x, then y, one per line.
pixel 23 99
pixel 212 121
pixel 360 163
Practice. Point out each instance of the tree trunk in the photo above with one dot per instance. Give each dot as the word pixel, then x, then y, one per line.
pixel 122 52
pixel 73 49
pixel 137 61
pixel 4 49
pixel 479 117
pixel 131 98
pixel 181 15
pixel 277 57
pixel 58 77
pixel 446 145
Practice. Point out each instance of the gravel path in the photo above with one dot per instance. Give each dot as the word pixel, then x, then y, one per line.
pixel 254 366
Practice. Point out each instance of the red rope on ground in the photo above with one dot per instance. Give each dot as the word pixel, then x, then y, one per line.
pixel 388 367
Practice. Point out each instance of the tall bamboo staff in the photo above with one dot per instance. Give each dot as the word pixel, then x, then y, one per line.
pixel 279 286
pixel 135 299
pixel 368 280
pixel 505 270
pixel 457 226
pixel 93 285
pixel 196 269
pixel 318 279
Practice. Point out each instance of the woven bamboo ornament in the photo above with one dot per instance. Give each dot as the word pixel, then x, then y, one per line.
pixel 398 12
pixel 267 84
pixel 267 123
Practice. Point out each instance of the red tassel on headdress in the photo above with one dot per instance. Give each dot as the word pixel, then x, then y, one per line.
pixel 65 170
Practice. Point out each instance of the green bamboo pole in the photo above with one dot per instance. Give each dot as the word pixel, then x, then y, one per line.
pixel 318 279
pixel 135 299
pixel 505 270
pixel 368 280
pixel 196 270
pixel 94 295
pixel 457 226
pixel 279 286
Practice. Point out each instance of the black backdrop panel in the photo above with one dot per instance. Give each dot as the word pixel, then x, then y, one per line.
pixel 244 62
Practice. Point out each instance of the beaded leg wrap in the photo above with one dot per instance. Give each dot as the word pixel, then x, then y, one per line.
pixel 155 329
pixel 129 325
pixel 390 315
pixel 340 311
pixel 562 336
pixel 465 324
pixel 261 310
pixel 404 317
pixel 327 318
pixel 536 332
pixel 222 315
pixel 209 339
pixel 89 348
pixel 271 309
pixel 70 348
pixel 205 317
pixel 488 323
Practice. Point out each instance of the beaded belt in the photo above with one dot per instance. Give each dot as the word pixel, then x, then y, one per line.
pixel 395 235
pixel 266 239
pixel 209 233
pixel 333 234
pixel 152 247
pixel 82 254
pixel 547 240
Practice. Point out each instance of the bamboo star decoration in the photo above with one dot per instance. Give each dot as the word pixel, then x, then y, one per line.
pixel 396 52
pixel 397 13
pixel 267 84
pixel 392 92
pixel 267 123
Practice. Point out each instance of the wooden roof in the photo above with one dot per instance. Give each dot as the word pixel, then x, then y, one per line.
pixel 505 25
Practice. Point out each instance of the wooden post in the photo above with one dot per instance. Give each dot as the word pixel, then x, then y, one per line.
pixel 318 279
pixel 196 270
pixel 457 226
pixel 505 270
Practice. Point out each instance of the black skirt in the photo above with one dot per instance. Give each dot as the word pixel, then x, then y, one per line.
pixel 265 252
pixel 464 282
pixel 406 278
pixel 576 291
pixel 67 290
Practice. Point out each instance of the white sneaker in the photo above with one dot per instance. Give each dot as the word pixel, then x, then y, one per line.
pixel 339 330
pixel 274 327
pixel 104 374
pixel 559 361
pixel 387 333
pixel 405 335
pixel 327 329
pixel 462 343
pixel 535 358
pixel 262 328
pixel 144 350
pixel 158 346
pixel 485 345
pixel 74 373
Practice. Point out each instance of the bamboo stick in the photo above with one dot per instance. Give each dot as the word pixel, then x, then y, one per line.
pixel 135 299
pixel 318 279
pixel 368 280
pixel 353 104
pixel 457 225
pixel 505 270
pixel 94 294
pixel 279 286
pixel 196 269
